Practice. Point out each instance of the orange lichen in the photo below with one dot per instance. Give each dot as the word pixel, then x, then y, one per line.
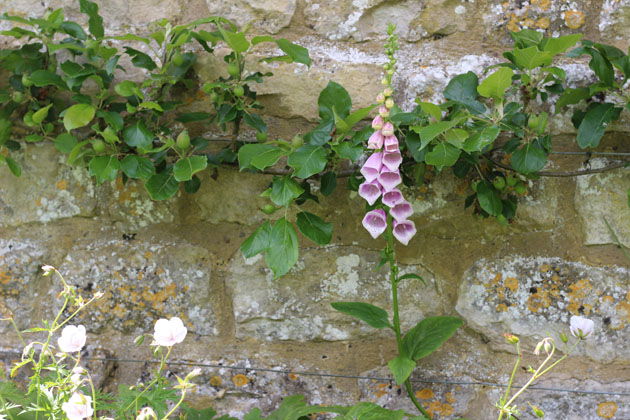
pixel 240 380
pixel 574 19
pixel 502 307
pixel 425 394
pixel 62 185
pixel 511 283
pixel 148 254
pixel 544 268
pixel 607 410
pixel 608 299
pixel 446 410
pixel 449 398
pixel 543 23
pixel 216 381
pixel 538 301
pixel 293 376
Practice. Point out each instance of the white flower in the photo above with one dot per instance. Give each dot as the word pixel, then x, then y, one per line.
pixel 72 339
pixel 77 373
pixel 581 327
pixel 78 407
pixel 147 413
pixel 169 332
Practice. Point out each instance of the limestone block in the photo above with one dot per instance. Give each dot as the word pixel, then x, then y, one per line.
pixel 268 15
pixel 297 305
pixel 532 296
pixel 552 16
pixel 600 198
pixel 142 281
pixel 614 20
pixel 48 189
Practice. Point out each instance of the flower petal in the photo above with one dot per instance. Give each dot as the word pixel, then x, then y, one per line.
pixel 401 211
pixel 372 167
pixel 370 191
pixel 393 197
pixel 375 222
pixel 376 140
pixel 389 179
pixel 388 129
pixel 391 144
pixel 377 122
pixel 404 231
pixel 392 160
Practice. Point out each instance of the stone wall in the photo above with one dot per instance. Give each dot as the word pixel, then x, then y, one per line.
pixel 181 257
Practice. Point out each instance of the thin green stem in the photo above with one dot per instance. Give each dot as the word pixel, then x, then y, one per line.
pixel 509 387
pixel 154 381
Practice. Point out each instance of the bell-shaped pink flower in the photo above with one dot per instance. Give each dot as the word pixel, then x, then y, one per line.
pixel 376 140
pixel 393 197
pixel 375 222
pixel 370 191
pixel 372 167
pixel 389 179
pixel 388 128
pixel 169 332
pixel 72 339
pixel 404 231
pixel 377 123
pixel 401 211
pixel 391 144
pixel 383 111
pixel 392 160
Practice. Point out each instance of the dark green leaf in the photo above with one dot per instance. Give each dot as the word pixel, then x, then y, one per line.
pixel 65 142
pixel 137 167
pixel 443 154
pixel 572 96
pixel 185 168
pixel 282 253
pixel 411 276
pixel 320 135
pixel 308 160
pixel 259 156
pixel 138 135
pixel 348 150
pixel 489 199
pixel 358 115
pixel 429 335
pixel 328 183
pixel 258 241
pixel 594 124
pixel 373 315
pixel 104 168
pixel 481 139
pixel 162 186
pixel 297 53
pixel 193 117
pixel 45 78
pixel 13 166
pixel 463 89
pixel 73 29
pixel 529 158
pixel 602 67
pixel 401 367
pixel 283 190
pixel 314 228
pixel 95 22
pixel 192 186
pixel 254 121
pixel 334 96
pixel 5 130
pixel 78 115
pixel 140 59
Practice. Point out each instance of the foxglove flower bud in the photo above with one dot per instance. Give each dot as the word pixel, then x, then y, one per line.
pixel 393 197
pixel 389 103
pixel 377 122
pixel 388 128
pixel 375 222
pixel 389 179
pixel 370 191
pixel 372 167
pixel 376 140
pixel 380 98
pixel 387 92
pixel 383 111
pixel 404 231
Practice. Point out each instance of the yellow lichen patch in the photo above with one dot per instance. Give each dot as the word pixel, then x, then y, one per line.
pixel 511 283
pixel 607 410
pixel 608 299
pixel 434 407
pixel 544 268
pixel 216 381
pixel 538 301
pixel 240 380
pixel 543 23
pixel 293 376
pixel 574 19
pixel 527 23
pixel 502 307
pixel 449 398
pixel 623 311
pixel 148 255
pixel 5 278
pixel 381 390
pixel 38 202
pixel 425 394
pixel 446 410
pixel 62 185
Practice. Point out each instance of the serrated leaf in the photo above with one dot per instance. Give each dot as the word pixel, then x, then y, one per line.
pixel 401 367
pixel 494 86
pixel 373 315
pixel 282 253
pixel 429 335
pixel 257 242
pixel 185 168
pixel 78 116
pixel 307 160
pixel 314 228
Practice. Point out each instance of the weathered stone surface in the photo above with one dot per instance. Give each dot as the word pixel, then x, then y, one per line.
pixel 614 19
pixel 297 305
pixel 48 189
pixel 267 15
pixel 602 198
pixel 532 296
pixel 549 16
pixel 142 280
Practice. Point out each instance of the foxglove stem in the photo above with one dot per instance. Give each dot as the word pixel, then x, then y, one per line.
pixel 393 275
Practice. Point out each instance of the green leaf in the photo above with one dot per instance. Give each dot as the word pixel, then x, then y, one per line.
pixel 235 40
pixel 531 57
pixel 33 138
pixel 45 78
pixel 328 183
pixel 137 167
pixel 262 38
pixel 348 150
pixel 358 115
pixel 185 168
pixel 95 22
pixel 282 253
pixel 5 130
pixel 526 38
pixel 128 88
pixel 434 110
pixel 443 154
pixel 429 335
pixel 401 367
pixel 373 315
pixel 283 190
pixel 40 115
pixel 494 86
pixel 254 121
pixel 258 241
pixel 193 117
pixel 138 135
pixel 78 116
pixel 559 45
pixel 308 160
pixel 489 199
pixel 370 411
pixel 74 30
pixel 463 89
pixel 104 168
pixel 412 276
pixel 162 186
pixel 602 67
pixel 529 158
pixel 259 156
pixel 481 139
pixel 314 228
pixel 334 96
pixel 595 122
pixel 572 96
pixel 297 53
pixel 76 151
pixel 140 59
pixel 13 166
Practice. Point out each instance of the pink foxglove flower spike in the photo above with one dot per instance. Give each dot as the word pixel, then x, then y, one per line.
pixel 376 141
pixel 391 144
pixel 404 231
pixel 375 222
pixel 370 191
pixel 388 129
pixel 401 211
pixel 377 122
pixel 392 160
pixel 393 197
pixel 389 179
pixel 372 167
